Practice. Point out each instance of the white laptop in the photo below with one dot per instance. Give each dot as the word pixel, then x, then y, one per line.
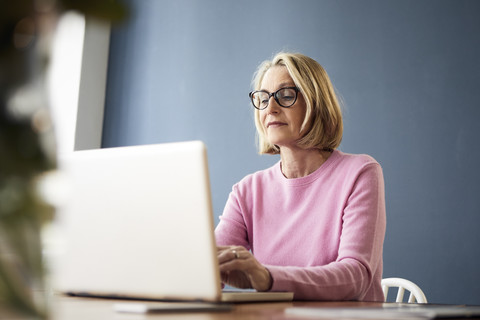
pixel 139 224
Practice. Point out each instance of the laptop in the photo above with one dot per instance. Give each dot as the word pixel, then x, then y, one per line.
pixel 138 224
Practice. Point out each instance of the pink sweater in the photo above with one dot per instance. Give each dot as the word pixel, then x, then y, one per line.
pixel 321 236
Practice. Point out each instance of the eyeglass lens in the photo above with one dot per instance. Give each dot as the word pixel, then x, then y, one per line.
pixel 285 97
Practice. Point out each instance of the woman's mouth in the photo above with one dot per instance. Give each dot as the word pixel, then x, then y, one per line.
pixel 275 124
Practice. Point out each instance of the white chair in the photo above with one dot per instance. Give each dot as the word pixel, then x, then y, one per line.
pixel 416 294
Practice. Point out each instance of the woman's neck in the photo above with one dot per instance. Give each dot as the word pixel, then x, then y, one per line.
pixel 297 163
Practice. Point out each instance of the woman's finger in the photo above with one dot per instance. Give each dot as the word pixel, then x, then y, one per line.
pixel 226 254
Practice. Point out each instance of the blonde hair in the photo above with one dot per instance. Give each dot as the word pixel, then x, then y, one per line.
pixel 323 108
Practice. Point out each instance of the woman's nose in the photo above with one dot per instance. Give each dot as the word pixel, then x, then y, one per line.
pixel 272 105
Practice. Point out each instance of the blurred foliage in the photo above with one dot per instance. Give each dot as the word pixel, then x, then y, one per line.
pixel 22 155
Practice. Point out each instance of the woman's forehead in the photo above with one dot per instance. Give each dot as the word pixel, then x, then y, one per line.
pixel 276 77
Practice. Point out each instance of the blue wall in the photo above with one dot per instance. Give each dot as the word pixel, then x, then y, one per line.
pixel 408 73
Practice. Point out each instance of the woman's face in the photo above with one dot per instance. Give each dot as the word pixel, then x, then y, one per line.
pixel 282 125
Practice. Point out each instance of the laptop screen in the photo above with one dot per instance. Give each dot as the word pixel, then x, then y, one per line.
pixel 138 223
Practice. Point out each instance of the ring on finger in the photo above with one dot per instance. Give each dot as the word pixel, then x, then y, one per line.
pixel 235 254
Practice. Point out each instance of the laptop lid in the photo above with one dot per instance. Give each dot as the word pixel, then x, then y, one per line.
pixel 139 224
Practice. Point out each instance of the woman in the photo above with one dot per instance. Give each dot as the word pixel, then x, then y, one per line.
pixel 314 223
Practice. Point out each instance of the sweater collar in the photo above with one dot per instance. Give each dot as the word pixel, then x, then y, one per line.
pixel 311 177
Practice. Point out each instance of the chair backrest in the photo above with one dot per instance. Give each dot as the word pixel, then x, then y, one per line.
pixel 416 294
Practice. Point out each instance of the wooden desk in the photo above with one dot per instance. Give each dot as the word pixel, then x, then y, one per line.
pixel 68 308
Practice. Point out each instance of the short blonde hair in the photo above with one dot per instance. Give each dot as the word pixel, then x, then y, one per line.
pixel 323 108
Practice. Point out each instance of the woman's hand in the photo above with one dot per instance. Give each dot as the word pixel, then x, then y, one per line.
pixel 240 269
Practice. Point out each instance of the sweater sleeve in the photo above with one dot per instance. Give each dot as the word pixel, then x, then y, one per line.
pixel 352 276
pixel 232 229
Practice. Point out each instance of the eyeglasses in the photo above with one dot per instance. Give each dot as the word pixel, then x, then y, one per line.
pixel 285 97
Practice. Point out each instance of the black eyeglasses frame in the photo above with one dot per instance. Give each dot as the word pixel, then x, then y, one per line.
pixel 274 95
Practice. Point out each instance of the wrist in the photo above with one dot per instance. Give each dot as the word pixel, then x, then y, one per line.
pixel 268 280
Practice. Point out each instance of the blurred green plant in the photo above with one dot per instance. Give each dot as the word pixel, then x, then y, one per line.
pixel 23 157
